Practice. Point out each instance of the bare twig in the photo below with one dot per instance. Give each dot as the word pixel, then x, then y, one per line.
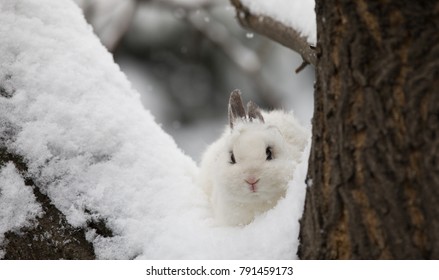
pixel 302 66
pixel 276 31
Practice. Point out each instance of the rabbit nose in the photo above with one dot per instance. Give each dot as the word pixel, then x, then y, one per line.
pixel 251 181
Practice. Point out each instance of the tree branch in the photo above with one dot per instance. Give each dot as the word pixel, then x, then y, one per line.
pixel 276 31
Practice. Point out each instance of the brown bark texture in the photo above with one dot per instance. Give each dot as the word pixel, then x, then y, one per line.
pixel 374 166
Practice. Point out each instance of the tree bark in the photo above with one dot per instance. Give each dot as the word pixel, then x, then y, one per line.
pixel 374 173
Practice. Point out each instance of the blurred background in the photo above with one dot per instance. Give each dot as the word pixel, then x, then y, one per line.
pixel 185 57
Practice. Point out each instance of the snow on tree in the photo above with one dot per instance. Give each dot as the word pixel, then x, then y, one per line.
pixel 111 183
pixel 18 206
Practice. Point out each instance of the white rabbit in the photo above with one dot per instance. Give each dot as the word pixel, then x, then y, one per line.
pixel 247 170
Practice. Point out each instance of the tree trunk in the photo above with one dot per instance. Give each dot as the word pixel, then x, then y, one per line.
pixel 374 173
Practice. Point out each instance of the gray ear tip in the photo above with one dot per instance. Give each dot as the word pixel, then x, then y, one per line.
pixel 251 104
pixel 235 99
pixel 236 108
pixel 235 94
pixel 254 112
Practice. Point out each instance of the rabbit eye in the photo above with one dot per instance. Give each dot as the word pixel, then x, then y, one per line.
pixel 232 158
pixel 269 153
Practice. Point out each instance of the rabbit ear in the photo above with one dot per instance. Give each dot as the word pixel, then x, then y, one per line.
pixel 236 108
pixel 254 112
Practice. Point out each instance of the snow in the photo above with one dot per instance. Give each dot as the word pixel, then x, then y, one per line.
pixel 93 149
pixel 297 14
pixel 18 207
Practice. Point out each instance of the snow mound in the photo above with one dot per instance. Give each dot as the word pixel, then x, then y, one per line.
pixel 90 146
pixel 297 14
pixel 18 207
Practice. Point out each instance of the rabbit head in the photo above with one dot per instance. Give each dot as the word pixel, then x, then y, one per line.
pixel 254 166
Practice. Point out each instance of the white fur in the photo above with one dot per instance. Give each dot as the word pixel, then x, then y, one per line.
pixel 233 202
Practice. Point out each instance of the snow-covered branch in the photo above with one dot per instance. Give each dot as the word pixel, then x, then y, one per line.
pixel 298 36
pixel 76 142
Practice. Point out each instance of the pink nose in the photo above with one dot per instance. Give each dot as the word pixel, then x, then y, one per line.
pixel 251 181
